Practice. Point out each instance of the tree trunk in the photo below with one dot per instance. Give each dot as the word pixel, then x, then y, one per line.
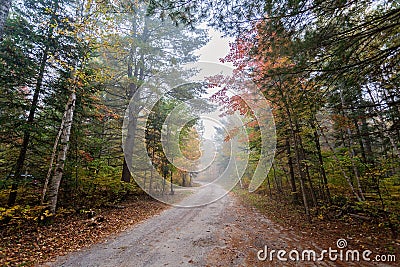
pixel 340 166
pixel 126 174
pixel 367 139
pixel 135 73
pixel 164 181
pixel 62 154
pixel 310 183
pixel 353 164
pixel 53 156
pixel 190 179
pixel 27 133
pixel 172 185
pixel 306 169
pixel 351 151
pixel 299 159
pixel 184 179
pixel 278 187
pixel 322 168
pixel 144 180
pixel 151 181
pixel 382 124
pixel 269 187
pixel 300 163
pixel 294 192
pixel 360 141
pixel 35 100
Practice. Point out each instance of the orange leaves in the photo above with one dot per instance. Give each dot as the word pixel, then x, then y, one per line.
pixel 95 98
pixel 238 104
pixel 85 155
pixel 98 110
pixel 31 245
pixel 258 54
pixel 252 124
pixel 342 122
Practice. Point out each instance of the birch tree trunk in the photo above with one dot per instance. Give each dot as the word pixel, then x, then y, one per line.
pixel 62 153
pixel 53 156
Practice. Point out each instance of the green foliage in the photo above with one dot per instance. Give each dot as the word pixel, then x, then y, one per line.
pixel 22 214
pixel 335 104
pixel 104 189
pixel 330 73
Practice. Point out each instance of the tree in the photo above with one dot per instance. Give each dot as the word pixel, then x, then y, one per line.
pixel 78 69
pixel 322 68
pixel 45 38
pixel 141 47
pixel 5 6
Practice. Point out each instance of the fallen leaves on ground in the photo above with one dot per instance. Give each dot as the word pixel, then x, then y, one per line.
pixel 32 245
pixel 277 224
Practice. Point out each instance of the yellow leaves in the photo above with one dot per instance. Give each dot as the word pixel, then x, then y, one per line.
pixel 190 146
pixel 48 10
pixel 53 25
pixel 88 5
pixel 55 60
pixel 281 61
pixel 114 116
pixel 6 213
pixel 45 215
pixel 20 214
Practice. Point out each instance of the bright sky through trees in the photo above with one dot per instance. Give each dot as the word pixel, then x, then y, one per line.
pixel 213 51
pixel 216 48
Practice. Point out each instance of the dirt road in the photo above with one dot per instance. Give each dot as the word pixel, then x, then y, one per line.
pixel 223 233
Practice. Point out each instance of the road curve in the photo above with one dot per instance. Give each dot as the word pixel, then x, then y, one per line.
pixel 176 237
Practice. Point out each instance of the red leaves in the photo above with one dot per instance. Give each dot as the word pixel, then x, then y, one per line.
pixel 228 102
pixel 85 156
pixel 238 104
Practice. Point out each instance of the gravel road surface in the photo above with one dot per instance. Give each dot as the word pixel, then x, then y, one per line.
pixel 176 237
pixel 223 233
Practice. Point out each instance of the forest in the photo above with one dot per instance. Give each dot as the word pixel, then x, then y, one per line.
pixel 69 70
